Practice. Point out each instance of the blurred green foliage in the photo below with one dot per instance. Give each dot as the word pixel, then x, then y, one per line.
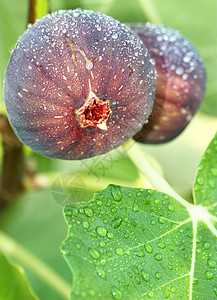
pixel 9 273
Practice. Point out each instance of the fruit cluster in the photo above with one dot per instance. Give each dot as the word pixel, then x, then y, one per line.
pixel 79 84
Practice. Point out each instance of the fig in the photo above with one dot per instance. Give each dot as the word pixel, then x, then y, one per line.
pixel 78 84
pixel 180 82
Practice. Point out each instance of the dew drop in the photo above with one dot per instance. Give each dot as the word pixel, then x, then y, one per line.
pixel 115 36
pixel 158 275
pixel 150 192
pixel 101 273
pixel 102 244
pixel 102 231
pixel 161 220
pixel 85 224
pixel 116 193
pixel 135 206
pixel 186 59
pixel 139 253
pixel 215 290
pixel 110 235
pixel 117 222
pixel 81 210
pixel 167 293
pixel 103 262
pixel 179 71
pixel 206 245
pixel 109 254
pixel 88 212
pixel 75 212
pixel 99 202
pixel 161 245
pixel 135 270
pixel 158 256
pixel 116 293
pixel 171 208
pixel 173 289
pixel 151 294
pixel 200 180
pixel 209 275
pixel 94 253
pixel 211 263
pixel 148 248
pixel 119 251
pixel 145 275
pixel 156 201
pixel 126 235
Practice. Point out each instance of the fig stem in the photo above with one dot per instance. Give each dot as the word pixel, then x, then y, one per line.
pixel 11 247
pixel 150 11
pixel 37 9
pixel 143 164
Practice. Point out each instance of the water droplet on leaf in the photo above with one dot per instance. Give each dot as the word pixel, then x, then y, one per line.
pixel 151 294
pixel 161 245
pixel 88 212
pixel 100 272
pixel 94 253
pixel 158 275
pixel 117 222
pixel 145 275
pixel 200 180
pixel 85 224
pixel 116 293
pixel 116 193
pixel 119 251
pixel 209 275
pixel 211 263
pixel 139 253
pixel 148 248
pixel 102 231
pixel 110 235
pixel 158 256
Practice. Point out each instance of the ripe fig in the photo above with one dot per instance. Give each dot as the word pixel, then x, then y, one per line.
pixel 78 84
pixel 180 83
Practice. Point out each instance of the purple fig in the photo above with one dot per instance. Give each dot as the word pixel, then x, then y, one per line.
pixel 180 83
pixel 78 84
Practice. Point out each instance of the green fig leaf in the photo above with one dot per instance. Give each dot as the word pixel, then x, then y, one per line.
pixel 130 243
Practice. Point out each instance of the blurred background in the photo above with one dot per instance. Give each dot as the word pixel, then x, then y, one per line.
pixel 35 218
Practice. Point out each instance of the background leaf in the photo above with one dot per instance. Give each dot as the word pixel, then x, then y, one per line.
pixel 36 222
pixel 13 282
pixel 205 186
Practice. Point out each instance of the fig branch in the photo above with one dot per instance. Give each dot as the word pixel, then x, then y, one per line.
pixel 11 181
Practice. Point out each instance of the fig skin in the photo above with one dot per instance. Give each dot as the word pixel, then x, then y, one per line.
pixel 67 61
pixel 180 82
